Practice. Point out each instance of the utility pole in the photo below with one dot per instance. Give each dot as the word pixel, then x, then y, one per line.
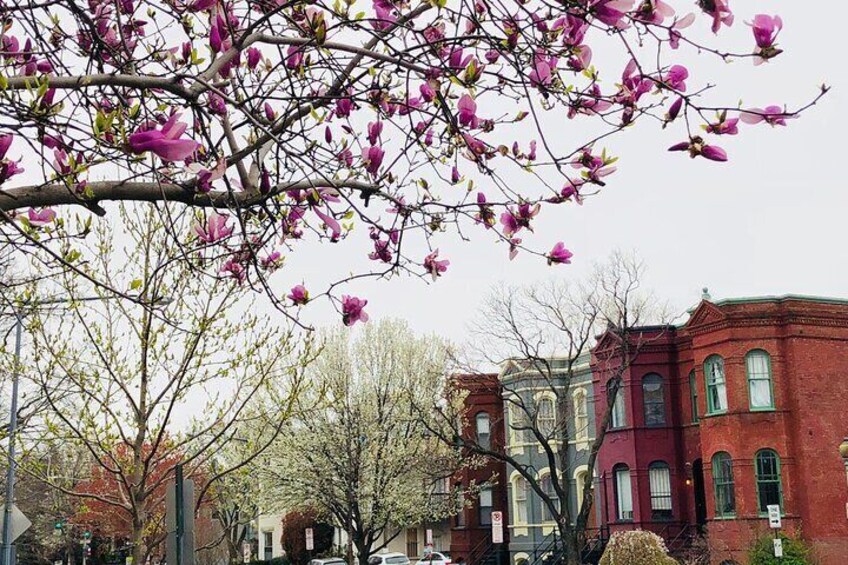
pixel 8 552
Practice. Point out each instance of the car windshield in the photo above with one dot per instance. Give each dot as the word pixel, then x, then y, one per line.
pixel 398 560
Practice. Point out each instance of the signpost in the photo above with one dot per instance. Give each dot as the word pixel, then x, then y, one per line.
pixel 774 516
pixel 778 547
pixel 497 527
pixel 310 539
pixel 245 552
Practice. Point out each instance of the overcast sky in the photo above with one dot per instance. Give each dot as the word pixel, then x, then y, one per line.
pixel 770 221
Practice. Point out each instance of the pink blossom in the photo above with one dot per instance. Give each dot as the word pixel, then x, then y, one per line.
pixel 373 158
pixel 434 266
pixel 254 56
pixel 374 131
pixel 559 254
pixel 719 10
pixel 766 28
pixel 42 218
pixel 676 78
pixel 5 143
pixel 343 107
pixel 724 127
pixel 467 110
pixel 514 243
pixel 455 176
pixel 164 143
pixel 697 146
pixel 610 12
pixel 492 56
pixel 353 310
pixel 540 76
pixel 234 269
pixel 513 220
pixel 214 229
pixel 299 295
pixel 294 57
pixel 272 261
pixel 485 215
pixel 653 11
pixel 674 34
pixel 773 115
pixel 674 110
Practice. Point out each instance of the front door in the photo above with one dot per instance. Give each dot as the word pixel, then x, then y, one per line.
pixel 700 495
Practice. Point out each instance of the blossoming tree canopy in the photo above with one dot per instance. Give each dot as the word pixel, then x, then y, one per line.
pixel 277 121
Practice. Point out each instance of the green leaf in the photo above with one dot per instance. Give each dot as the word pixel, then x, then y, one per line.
pixel 136 284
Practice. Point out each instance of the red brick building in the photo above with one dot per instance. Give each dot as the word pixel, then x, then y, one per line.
pixel 743 406
pixel 471 531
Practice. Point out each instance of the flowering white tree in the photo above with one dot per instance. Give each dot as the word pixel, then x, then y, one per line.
pixel 365 461
pixel 275 122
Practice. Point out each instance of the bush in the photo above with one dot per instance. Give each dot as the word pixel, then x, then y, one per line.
pixel 636 547
pixel 795 552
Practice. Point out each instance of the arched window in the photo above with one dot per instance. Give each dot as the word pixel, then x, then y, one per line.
pixel 653 399
pixel 758 367
pixel 580 484
pixel 546 416
pixel 660 483
pixel 581 415
pixel 484 438
pixel 716 385
pixel 519 497
pixel 547 484
pixel 769 487
pixel 725 497
pixel 693 394
pixel 518 422
pixel 623 492
pixel 619 416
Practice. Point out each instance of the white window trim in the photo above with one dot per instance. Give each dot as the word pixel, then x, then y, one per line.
pixel 519 528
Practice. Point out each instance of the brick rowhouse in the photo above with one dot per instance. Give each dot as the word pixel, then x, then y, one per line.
pixel 762 424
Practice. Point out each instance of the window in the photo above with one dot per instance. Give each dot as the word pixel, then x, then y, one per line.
pixel 652 397
pixel 485 510
pixel 725 498
pixel 268 545
pixel 460 515
pixel 623 492
pixel 758 366
pixel 581 415
pixel 546 416
pixel 518 423
pixel 619 417
pixel 660 482
pixel 519 494
pixel 580 484
pixel 716 385
pixel 484 438
pixel 547 485
pixel 769 489
pixel 693 393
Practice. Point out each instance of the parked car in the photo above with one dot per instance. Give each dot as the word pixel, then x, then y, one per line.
pixel 435 558
pixel 388 559
pixel 328 561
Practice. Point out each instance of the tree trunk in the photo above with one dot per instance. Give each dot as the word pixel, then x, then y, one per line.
pixel 363 553
pixel 137 548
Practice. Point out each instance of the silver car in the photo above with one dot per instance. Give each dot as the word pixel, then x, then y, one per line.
pixel 435 558
pixel 388 559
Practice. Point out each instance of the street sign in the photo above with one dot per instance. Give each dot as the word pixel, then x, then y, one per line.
pixel 497 527
pixel 428 536
pixel 245 552
pixel 19 522
pixel 310 540
pixel 773 516
pixel 778 547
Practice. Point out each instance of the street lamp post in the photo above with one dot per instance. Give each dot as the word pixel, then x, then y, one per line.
pixel 6 552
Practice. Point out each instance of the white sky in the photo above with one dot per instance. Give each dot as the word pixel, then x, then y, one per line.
pixel 770 221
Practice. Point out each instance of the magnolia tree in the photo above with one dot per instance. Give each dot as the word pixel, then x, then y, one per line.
pixel 365 461
pixel 275 122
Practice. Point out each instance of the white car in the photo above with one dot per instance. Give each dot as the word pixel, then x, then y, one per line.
pixel 330 561
pixel 435 558
pixel 388 559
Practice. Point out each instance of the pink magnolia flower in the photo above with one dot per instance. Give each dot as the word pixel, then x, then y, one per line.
pixel 674 34
pixel 373 158
pixel 232 268
pixel 514 243
pixel 540 76
pixel 674 110
pixel 294 57
pixel 5 143
pixel 485 214
pixel 428 93
pixel 773 115
pixel 270 115
pixel 299 295
pixel 214 229
pixel 374 131
pixel 610 12
pixel 343 107
pixel 653 11
pixel 720 12
pixel 467 110
pixel 766 28
pixel 676 78
pixel 254 56
pixel 513 220
pixel 697 146
pixel 165 143
pixel 8 168
pixel 559 254
pixel 492 56
pixel 723 126
pixel 353 310
pixel 272 261
pixel 434 266
pixel 42 218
